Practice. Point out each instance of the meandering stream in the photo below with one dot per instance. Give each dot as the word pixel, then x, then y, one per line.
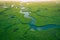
pixel 31 23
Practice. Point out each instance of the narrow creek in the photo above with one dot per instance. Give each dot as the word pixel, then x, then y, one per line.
pixel 31 23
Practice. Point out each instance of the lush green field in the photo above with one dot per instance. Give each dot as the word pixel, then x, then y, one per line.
pixel 14 26
pixel 45 13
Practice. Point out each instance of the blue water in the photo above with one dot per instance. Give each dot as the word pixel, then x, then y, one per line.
pixel 44 27
pixel 32 26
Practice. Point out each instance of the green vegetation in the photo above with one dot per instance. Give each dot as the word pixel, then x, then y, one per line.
pixel 14 26
pixel 45 13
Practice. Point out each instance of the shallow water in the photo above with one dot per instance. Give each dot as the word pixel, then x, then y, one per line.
pixel 32 26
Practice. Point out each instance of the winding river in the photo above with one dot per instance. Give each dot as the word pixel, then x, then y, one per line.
pixel 31 23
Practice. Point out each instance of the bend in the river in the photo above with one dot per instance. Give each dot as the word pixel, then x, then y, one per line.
pixel 31 23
